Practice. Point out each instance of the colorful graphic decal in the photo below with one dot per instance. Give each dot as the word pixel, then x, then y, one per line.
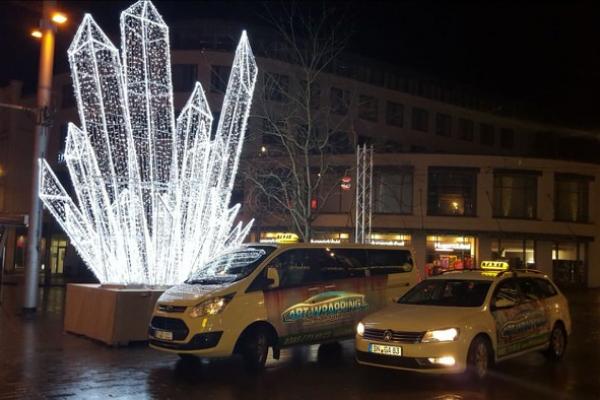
pixel 302 316
pixel 521 327
pixel 327 306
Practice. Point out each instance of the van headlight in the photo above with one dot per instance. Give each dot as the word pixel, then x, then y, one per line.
pixel 210 307
pixel 440 335
pixel 360 329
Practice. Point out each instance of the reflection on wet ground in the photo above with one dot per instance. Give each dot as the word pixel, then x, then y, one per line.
pixel 38 360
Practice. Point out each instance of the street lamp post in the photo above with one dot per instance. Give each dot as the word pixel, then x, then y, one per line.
pixel 40 143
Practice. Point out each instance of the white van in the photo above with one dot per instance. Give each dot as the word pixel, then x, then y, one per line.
pixel 264 295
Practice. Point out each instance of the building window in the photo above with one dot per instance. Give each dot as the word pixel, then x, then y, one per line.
pixel 448 253
pixel 452 191
pixel 393 190
pixel 339 143
pixel 394 114
pixel 312 93
pixel 340 101
pixel 515 195
pixel 466 129
pixel 571 197
pixel 519 253
pixel 569 264
pixel 219 76
pixel 1 196
pixel 420 118
pixel 368 108
pixel 507 138
pixel 443 124
pixel 276 87
pixel 184 77
pixel 68 96
pixel 486 134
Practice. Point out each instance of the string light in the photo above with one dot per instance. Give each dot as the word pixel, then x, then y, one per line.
pixel 152 192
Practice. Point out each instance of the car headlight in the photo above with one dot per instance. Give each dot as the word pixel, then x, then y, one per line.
pixel 210 307
pixel 360 329
pixel 440 335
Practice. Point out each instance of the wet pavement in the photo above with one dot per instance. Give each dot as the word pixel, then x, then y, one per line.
pixel 39 361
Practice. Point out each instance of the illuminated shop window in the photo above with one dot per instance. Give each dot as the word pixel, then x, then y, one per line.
pixel 447 252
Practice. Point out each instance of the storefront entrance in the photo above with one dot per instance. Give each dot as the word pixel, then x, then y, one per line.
pixel 58 247
pixel 569 264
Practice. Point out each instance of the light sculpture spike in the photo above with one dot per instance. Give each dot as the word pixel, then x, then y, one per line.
pixel 152 191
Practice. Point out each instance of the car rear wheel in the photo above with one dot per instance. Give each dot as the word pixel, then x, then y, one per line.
pixel 558 343
pixel 479 359
pixel 255 348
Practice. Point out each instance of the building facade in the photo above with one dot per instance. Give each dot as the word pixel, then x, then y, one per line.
pixel 454 179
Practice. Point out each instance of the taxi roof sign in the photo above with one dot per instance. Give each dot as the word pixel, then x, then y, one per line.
pixel 495 265
pixel 286 238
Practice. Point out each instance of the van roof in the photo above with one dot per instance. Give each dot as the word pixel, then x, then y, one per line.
pixel 302 245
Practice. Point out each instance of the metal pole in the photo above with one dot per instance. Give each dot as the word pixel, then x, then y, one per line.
pixel 364 172
pixel 40 143
pixel 356 202
pixel 370 191
pixel 3 257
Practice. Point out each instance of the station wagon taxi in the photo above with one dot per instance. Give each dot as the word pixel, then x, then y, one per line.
pixel 466 321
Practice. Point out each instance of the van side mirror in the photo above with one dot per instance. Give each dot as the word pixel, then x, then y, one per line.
pixel 272 277
pixel 504 303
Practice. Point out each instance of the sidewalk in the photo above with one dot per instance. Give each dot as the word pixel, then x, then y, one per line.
pixel 39 361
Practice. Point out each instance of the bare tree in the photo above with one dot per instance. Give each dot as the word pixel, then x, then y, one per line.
pixel 301 133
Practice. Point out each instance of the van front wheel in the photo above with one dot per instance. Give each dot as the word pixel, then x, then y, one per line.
pixel 254 349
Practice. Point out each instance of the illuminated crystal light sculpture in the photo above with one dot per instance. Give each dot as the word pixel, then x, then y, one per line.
pixel 152 192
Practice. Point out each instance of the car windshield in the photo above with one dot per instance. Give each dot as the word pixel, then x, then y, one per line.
pixel 448 292
pixel 231 266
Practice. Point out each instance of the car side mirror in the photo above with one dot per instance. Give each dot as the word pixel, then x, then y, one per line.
pixel 504 303
pixel 272 277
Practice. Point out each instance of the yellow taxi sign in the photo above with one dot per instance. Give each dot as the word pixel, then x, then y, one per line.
pixel 495 265
pixel 286 238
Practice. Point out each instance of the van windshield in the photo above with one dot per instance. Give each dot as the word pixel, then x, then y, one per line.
pixel 448 292
pixel 231 266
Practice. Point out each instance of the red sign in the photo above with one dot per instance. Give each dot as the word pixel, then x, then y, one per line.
pixel 346 183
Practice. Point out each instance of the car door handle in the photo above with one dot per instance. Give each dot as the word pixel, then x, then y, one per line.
pixel 313 289
pixel 329 286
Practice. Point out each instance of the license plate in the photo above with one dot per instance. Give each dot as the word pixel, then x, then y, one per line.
pixel 164 335
pixel 385 349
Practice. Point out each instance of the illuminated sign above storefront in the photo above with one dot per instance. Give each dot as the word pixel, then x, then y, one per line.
pixel 451 246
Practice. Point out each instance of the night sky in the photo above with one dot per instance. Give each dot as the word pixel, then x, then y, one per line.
pixel 545 57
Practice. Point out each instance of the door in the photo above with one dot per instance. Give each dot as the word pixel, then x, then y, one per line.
pixel 518 319
pixel 293 307
pixel 538 318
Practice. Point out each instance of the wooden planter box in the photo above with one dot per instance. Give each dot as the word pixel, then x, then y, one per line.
pixel 112 314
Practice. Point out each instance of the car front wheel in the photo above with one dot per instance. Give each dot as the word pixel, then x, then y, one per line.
pixel 479 358
pixel 255 348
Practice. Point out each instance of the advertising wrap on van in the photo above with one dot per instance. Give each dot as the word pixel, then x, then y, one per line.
pixel 322 312
pixel 326 306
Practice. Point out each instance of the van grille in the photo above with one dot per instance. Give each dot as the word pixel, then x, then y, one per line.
pixel 397 336
pixel 171 309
